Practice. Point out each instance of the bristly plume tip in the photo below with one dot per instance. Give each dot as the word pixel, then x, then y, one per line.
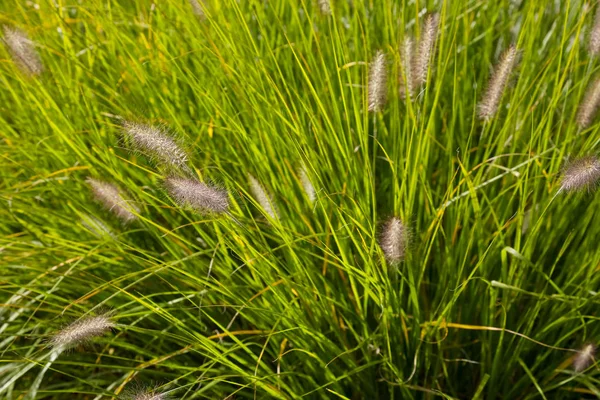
pixel 491 99
pixel 394 240
pixel 22 50
pixel 82 331
pixel 581 174
pixel 197 195
pixel 378 82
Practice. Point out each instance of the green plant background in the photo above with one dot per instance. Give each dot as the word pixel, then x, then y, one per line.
pixel 498 283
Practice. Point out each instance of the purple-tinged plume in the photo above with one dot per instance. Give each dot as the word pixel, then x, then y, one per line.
pixel 156 143
pixel 81 332
pixel 22 50
pixel 584 358
pixel 378 82
pixel 197 195
pixel 493 94
pixel 581 174
pixel 110 197
pixel 589 106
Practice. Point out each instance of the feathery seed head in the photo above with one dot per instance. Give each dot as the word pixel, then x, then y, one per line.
pixel 198 8
pixel 589 105
pixel 579 174
pixel 197 195
pixel 307 185
pixel 394 240
pixel 156 143
pixel 584 357
pixel 110 197
pixel 325 7
pixel 425 50
pixel 407 80
pixel 22 50
pixel 497 84
pixel 81 332
pixel 594 40
pixel 263 198
pixel 140 392
pixel 378 82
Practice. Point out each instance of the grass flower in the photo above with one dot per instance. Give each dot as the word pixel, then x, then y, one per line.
pixel 198 8
pixel 594 40
pixel 425 50
pixel 584 358
pixel 263 198
pixel 325 7
pixel 493 94
pixel 22 50
pixel 407 80
pixel 110 197
pixel 197 195
pixel 378 82
pixel 394 240
pixel 144 393
pixel 589 105
pixel 307 185
pixel 156 143
pixel 81 332
pixel 582 173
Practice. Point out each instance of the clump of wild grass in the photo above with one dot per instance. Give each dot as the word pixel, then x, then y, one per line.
pixel 307 185
pixel 155 142
pixel 325 7
pixel 589 105
pixel 198 8
pixel 262 197
pixel 394 240
pixel 581 174
pixel 110 196
pixel 22 50
pixel 378 82
pixel 81 332
pixel 425 50
pixel 197 195
pixel 594 40
pixel 497 84
pixel 584 358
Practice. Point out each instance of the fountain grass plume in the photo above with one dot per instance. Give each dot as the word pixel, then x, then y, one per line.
pixel 426 47
pixel 198 9
pixel 307 185
pixel 378 82
pixel 491 99
pixel 197 195
pixel 584 358
pixel 110 196
pixel 325 7
pixel 594 39
pixel 141 392
pixel 406 57
pixel 82 332
pixel 394 240
pixel 581 174
pixel 22 50
pixel 157 143
pixel 264 199
pixel 589 106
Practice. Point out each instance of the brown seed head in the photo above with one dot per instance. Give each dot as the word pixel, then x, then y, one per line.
pixel 493 94
pixel 589 106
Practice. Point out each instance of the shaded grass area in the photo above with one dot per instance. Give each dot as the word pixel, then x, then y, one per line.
pixel 498 289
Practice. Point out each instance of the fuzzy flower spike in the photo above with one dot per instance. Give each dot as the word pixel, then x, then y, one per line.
pixel 594 40
pixel 197 195
pixel 264 198
pixel 144 393
pixel 156 143
pixel 325 7
pixel 581 174
pixel 394 240
pixel 81 332
pixel 425 50
pixel 493 94
pixel 22 50
pixel 584 358
pixel 111 198
pixel 589 106
pixel 378 83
